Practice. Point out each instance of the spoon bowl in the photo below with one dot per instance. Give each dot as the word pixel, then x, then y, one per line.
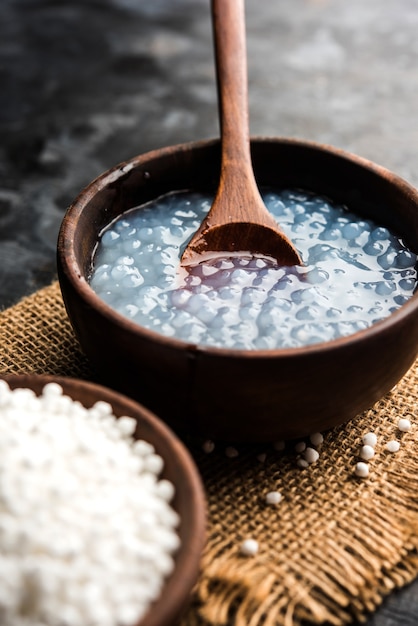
pixel 240 395
pixel 238 221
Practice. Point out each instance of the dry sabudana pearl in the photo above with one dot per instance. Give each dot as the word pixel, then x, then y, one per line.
pixel 249 547
pixel 316 439
pixel 231 452
pixel 393 446
pixel 361 470
pixel 404 424
pixel 370 439
pixel 300 446
pixel 354 273
pixel 367 452
pixel 311 455
pixel 87 531
pixel 273 497
pixel 208 446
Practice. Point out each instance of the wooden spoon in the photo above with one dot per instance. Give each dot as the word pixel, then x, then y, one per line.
pixel 238 221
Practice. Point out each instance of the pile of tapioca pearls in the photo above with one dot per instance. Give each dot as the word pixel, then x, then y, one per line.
pixel 354 273
pixel 87 531
pixel 309 453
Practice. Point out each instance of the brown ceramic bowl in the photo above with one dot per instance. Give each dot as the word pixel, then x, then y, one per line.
pixel 230 394
pixel 179 468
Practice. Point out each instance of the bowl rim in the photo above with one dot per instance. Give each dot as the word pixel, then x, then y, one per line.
pixel 168 605
pixel 70 266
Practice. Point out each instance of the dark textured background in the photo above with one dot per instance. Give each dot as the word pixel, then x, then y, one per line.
pixel 85 84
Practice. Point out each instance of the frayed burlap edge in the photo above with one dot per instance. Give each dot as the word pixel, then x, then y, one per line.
pixel 329 552
pixel 338 547
pixel 339 581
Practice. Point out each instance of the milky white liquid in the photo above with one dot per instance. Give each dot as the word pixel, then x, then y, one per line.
pixel 354 274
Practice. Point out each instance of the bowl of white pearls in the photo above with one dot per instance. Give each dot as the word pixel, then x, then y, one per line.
pixel 102 515
pixel 237 349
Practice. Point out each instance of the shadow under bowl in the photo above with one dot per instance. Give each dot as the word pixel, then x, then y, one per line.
pixel 179 468
pixel 230 394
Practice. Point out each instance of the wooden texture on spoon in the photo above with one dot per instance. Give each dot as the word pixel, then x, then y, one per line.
pixel 238 220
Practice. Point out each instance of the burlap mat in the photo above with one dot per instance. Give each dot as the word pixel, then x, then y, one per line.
pixel 330 551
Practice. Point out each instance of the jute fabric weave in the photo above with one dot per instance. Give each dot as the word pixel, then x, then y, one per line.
pixel 333 547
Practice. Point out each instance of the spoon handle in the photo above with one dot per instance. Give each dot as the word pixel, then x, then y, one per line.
pixel 228 20
pixel 238 220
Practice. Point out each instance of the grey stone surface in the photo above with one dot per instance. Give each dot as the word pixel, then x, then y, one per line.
pixel 85 84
